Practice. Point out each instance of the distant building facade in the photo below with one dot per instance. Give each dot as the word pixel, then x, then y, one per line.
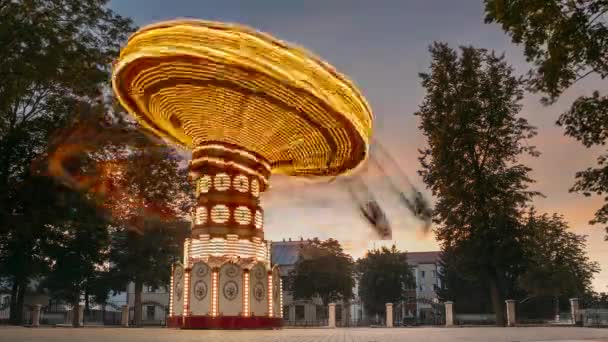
pixel 155 304
pixel 421 304
pixel 295 311
pixel 426 268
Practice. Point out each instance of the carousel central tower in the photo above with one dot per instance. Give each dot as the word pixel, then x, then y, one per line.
pixel 247 105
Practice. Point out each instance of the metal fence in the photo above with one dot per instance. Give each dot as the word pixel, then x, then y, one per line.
pixel 356 323
pixel 595 318
pixel 306 323
pixel 475 319
pixel 543 310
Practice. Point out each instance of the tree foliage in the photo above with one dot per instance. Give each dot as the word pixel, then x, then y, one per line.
pixel 566 41
pixel 145 259
pixel 384 276
pixel 56 53
pixel 558 264
pixel 77 251
pixel 323 270
pixel 151 198
pixel 474 139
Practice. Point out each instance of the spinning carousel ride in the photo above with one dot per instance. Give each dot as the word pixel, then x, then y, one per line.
pixel 247 105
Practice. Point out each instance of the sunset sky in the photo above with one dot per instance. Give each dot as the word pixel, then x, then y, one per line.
pixel 382 45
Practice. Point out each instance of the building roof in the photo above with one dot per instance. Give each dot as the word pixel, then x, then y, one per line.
pixel 417 258
pixel 286 252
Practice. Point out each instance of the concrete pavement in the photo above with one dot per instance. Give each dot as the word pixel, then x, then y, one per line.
pixel 464 334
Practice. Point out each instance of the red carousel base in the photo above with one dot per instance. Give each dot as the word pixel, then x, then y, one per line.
pixel 224 322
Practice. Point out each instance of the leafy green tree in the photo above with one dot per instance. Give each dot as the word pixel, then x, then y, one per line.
pixel 324 271
pixel 566 41
pixel 384 277
pixel 23 248
pixel 154 193
pixel 558 264
pixel 77 251
pixel 145 258
pixel 55 54
pixel 474 138
pixel 468 295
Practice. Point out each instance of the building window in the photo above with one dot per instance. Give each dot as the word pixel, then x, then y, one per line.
pixel 422 274
pixel 150 312
pixel 300 313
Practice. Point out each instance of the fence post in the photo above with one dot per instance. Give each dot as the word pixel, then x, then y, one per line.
pixel 68 316
pixel 574 311
pixel 389 315
pixel 449 314
pixel 81 315
pixel 124 318
pixel 36 315
pixel 511 318
pixel 332 315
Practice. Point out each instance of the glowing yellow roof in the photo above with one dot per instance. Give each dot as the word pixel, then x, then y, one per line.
pixel 193 81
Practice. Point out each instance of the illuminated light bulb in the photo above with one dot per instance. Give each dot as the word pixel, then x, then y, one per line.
pixel 242 215
pixel 233 150
pixel 281 296
pixel 255 187
pixel 223 163
pixel 259 219
pixel 214 293
pixel 186 293
pixel 269 295
pixel 171 286
pixel 221 182
pixel 246 293
pixel 241 183
pixel 220 213
pixel 203 184
pixel 201 215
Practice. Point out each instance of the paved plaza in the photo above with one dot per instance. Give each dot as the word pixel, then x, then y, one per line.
pixel 564 334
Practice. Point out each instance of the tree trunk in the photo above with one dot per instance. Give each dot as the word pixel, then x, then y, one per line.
pixel 498 303
pixel 76 313
pixel 13 304
pixel 556 307
pixel 21 287
pixel 137 303
pixel 86 305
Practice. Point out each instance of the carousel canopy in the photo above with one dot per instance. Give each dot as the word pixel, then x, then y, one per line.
pixel 196 83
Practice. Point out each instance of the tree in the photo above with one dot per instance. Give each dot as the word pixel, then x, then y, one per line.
pixel 558 265
pixel 152 194
pixel 23 249
pixel 324 271
pixel 78 250
pixel 566 41
pixel 468 294
pixel 145 258
pixel 384 277
pixel 474 137
pixel 56 53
